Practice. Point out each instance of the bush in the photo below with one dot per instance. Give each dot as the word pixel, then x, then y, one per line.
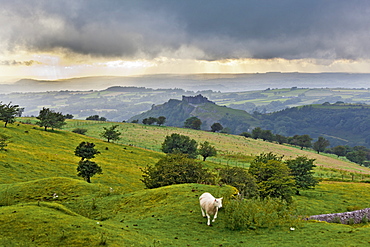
pixel 175 169
pixel 79 131
pixel 259 213
pixel 273 179
pixel 364 219
pixel 240 179
pixel 4 140
pixel 336 219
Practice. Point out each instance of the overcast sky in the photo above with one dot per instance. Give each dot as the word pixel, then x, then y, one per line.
pixel 55 39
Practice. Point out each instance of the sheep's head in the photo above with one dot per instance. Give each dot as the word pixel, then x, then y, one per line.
pixel 218 202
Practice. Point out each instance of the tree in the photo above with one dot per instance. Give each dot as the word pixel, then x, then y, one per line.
pixel 96 118
pixel 357 156
pixel 281 139
pixel 256 133
pixel 246 134
pixel 8 113
pixel 175 169
pixel 340 150
pixel 69 116
pixel 302 170
pixel 50 119
pixel 86 150
pixel 273 179
pixel 216 127
pixel 111 133
pixel 161 120
pixel 180 144
pixel 87 169
pixel 302 141
pixel 152 120
pixel 265 157
pixel 267 135
pixel 206 150
pixel 240 179
pixel 193 123
pixel 320 144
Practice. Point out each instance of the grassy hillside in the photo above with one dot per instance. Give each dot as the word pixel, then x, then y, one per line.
pixel 34 154
pixel 232 149
pixel 44 203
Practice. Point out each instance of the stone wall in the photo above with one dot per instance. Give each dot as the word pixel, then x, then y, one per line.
pixel 344 218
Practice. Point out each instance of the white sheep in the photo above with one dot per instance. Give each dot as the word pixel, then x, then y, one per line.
pixel 209 206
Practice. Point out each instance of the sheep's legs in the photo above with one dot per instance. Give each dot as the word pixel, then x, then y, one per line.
pixel 209 220
pixel 203 213
pixel 214 217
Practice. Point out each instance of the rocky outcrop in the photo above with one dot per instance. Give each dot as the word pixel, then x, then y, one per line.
pixel 196 100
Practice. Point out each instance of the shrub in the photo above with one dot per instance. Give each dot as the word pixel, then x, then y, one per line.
pixel 336 219
pixel 80 131
pixel 364 219
pixel 175 169
pixel 259 213
pixel 4 140
pixel 240 179
pixel 351 221
pixel 353 208
pixel 273 179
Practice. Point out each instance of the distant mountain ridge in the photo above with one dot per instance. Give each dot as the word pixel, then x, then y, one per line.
pixel 196 82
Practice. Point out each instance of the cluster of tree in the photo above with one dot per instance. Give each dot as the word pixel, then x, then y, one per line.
pixel 337 120
pixel 269 176
pixel 87 168
pixel 9 112
pixel 196 123
pixel 152 120
pixel 181 144
pixel 302 141
pixel 96 118
pixel 50 119
pixel 193 123
pixel 357 154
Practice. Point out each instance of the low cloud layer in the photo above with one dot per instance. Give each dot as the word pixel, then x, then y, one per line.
pixel 207 30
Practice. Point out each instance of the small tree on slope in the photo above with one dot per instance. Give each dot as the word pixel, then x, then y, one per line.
pixel 87 168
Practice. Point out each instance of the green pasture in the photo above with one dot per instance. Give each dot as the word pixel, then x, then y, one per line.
pixel 232 149
pixel 44 203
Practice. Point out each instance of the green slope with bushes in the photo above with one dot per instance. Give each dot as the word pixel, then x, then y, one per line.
pixel 44 203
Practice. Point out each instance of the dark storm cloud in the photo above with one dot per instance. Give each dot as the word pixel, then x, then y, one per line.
pixel 291 29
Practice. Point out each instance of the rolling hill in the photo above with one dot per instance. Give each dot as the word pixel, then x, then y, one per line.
pixel 341 123
pixel 44 203
pixel 176 112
